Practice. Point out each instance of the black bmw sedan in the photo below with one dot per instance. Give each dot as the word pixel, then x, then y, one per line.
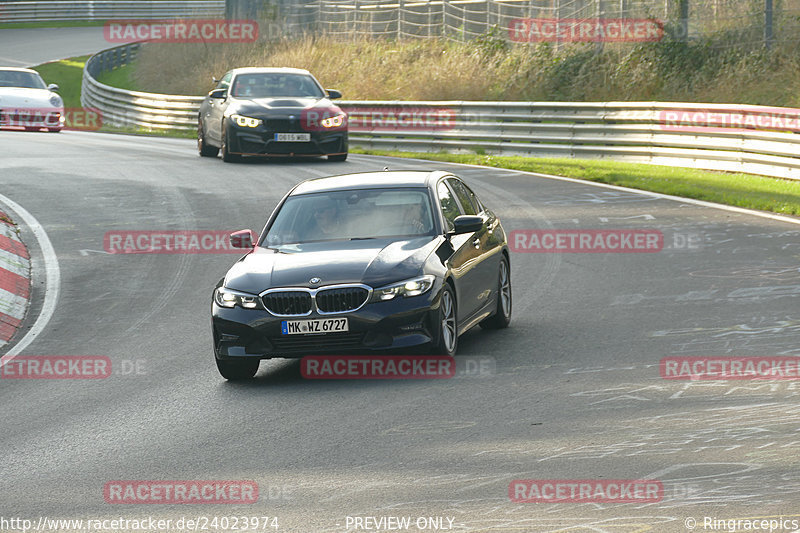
pixel 271 112
pixel 370 261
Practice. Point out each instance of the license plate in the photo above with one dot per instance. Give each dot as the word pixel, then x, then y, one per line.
pixel 293 137
pixel 321 325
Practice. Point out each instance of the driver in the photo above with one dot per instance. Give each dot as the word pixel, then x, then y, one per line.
pixel 326 219
pixel 294 86
pixel 414 217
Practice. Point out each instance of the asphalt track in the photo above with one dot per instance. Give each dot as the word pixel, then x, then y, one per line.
pixel 32 46
pixel 572 389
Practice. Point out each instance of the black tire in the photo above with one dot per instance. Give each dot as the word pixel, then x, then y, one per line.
pixel 226 155
pixel 447 340
pixel 502 316
pixel 54 130
pixel 337 158
pixel 204 149
pixel 233 370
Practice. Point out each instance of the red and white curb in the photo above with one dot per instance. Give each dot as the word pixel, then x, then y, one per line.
pixel 15 280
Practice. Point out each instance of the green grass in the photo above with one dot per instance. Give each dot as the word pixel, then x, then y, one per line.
pixel 740 190
pixel 120 77
pixel 67 74
pixel 54 24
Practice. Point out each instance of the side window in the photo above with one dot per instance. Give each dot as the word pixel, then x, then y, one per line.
pixel 477 203
pixel 225 82
pixel 449 206
pixel 463 197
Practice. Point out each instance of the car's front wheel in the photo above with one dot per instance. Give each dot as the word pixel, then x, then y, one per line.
pixel 447 342
pixel 339 157
pixel 227 156
pixel 234 370
pixel 502 316
pixel 203 148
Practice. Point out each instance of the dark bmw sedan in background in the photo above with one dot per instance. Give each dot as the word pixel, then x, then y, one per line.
pixel 369 261
pixel 271 112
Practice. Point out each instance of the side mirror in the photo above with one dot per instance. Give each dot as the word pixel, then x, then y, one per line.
pixel 243 239
pixel 52 87
pixel 218 93
pixel 333 94
pixel 467 224
pixel 215 79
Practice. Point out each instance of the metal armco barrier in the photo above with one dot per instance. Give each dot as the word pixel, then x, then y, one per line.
pixel 64 10
pixel 647 132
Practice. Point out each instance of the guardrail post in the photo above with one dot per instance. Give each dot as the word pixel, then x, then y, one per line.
pixel 600 14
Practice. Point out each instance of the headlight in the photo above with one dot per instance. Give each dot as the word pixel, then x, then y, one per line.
pixel 228 298
pixel 407 288
pixel 246 122
pixel 334 122
pixel 56 101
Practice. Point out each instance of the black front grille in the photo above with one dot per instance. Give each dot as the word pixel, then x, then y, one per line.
pixel 284 125
pixel 288 302
pixel 340 300
pixel 317 343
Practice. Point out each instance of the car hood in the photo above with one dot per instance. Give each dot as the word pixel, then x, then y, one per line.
pixel 374 262
pixel 277 106
pixel 24 97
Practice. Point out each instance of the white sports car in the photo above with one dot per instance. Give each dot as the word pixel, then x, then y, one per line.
pixel 26 102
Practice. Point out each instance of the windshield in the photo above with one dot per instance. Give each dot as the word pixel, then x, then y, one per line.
pixel 353 214
pixel 17 78
pixel 269 85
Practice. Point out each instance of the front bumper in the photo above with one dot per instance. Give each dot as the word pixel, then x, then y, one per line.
pixel 405 323
pixel 32 118
pixel 261 141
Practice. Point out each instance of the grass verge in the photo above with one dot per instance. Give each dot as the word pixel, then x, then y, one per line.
pixel 740 190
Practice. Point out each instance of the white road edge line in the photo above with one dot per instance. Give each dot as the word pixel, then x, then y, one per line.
pixel 52 278
pixel 702 203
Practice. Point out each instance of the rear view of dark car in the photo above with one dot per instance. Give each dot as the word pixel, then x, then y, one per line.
pixel 271 112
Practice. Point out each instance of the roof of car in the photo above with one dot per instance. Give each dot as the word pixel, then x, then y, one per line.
pixel 19 69
pixel 370 180
pixel 270 70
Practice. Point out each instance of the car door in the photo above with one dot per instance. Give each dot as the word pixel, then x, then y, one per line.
pixel 463 259
pixel 215 110
pixel 487 244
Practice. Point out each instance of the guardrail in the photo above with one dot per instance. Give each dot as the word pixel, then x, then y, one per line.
pixel 675 134
pixel 120 107
pixel 64 10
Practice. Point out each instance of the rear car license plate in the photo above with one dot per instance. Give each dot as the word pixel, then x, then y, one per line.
pixel 321 325
pixel 293 137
